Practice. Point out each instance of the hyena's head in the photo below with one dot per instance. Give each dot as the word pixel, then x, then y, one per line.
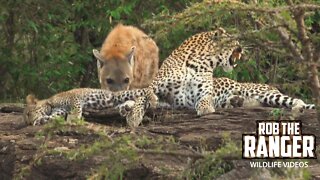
pixel 115 71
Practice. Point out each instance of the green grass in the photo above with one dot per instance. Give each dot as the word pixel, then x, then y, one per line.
pixel 214 164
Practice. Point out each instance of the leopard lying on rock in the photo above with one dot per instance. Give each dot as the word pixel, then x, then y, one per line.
pixel 185 79
pixel 228 93
pixel 41 111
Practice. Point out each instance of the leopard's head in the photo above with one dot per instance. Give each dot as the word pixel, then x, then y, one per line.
pixel 35 109
pixel 227 49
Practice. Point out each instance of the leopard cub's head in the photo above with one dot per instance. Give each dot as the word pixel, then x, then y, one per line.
pixel 35 109
pixel 227 49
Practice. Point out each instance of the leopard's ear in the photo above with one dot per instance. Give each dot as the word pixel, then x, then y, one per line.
pixel 31 99
pixel 218 32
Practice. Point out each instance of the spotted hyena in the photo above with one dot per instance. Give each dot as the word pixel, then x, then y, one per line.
pixel 128 59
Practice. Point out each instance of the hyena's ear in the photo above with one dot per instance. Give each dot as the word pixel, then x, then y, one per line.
pixel 100 59
pixel 31 99
pixel 131 55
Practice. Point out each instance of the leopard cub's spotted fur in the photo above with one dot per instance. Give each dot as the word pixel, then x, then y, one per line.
pixel 40 111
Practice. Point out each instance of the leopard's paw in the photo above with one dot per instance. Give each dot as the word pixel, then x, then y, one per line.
pixel 40 121
pixel 135 116
pixel 298 106
pixel 205 110
pixel 134 119
pixel 153 101
pixel 126 107
pixel 204 106
pixel 235 101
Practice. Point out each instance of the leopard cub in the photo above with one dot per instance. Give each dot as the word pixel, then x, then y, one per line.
pixel 41 111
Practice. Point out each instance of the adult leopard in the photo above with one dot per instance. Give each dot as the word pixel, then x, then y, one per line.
pixel 228 93
pixel 184 79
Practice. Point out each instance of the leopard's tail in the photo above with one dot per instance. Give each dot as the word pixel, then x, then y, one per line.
pixel 309 106
pixel 281 100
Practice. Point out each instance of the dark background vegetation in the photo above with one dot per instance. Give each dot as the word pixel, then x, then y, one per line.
pixel 46 46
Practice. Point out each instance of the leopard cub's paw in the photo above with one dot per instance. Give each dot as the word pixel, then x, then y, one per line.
pixel 135 116
pixel 40 121
pixel 126 107
pixel 153 101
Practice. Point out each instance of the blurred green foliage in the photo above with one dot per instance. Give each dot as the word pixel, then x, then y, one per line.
pixel 46 45
pixel 266 58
